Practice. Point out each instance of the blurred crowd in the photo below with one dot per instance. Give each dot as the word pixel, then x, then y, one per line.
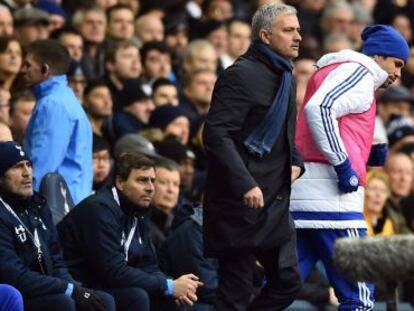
pixel 144 72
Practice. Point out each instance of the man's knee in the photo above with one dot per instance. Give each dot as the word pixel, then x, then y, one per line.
pixel 137 299
pixel 107 300
pixel 10 298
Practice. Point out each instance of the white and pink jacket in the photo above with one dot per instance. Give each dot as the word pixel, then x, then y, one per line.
pixel 336 122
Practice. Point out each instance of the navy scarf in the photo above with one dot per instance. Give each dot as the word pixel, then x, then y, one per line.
pixel 263 137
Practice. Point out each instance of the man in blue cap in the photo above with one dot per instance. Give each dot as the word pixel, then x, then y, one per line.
pixel 334 135
pixel 30 254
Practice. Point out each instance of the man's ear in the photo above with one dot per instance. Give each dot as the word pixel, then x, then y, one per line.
pixel 264 36
pixel 118 183
pixel 45 69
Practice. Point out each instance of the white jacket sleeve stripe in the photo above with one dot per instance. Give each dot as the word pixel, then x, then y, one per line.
pixel 327 104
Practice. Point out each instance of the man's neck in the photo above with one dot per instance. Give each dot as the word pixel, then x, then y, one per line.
pixel 92 49
pixel 116 81
pixel 97 124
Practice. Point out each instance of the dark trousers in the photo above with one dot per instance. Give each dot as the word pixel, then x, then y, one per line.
pixel 62 302
pixel 130 298
pixel 235 274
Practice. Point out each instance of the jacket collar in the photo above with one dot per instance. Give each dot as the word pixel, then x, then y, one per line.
pixel 42 88
pixel 128 207
pixel 252 52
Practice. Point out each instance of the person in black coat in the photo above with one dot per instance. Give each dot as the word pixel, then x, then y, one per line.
pixel 252 160
pixel 107 245
pixel 30 254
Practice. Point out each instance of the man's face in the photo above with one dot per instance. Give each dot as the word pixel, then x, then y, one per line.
pixel 201 88
pixel 285 36
pixel 180 128
pixel 167 189
pixel 218 39
pixel 31 69
pixel 93 27
pixel 98 103
pixel 18 180
pixel 187 172
pixel 6 23
pixel 101 165
pixel 74 44
pixel 400 170
pixel 139 187
pixel 398 108
pixel 121 24
pixel 203 59
pixel 141 110
pixel 21 116
pixel 177 42
pixel 165 94
pixel 157 65
pixel 303 69
pixel 127 63
pixel 32 32
pixel 341 22
pixel 392 66
pixel 150 28
pixel 239 39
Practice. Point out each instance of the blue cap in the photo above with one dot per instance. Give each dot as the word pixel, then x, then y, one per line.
pixel 384 40
pixel 11 153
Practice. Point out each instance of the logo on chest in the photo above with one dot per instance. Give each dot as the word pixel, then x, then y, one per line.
pixel 21 233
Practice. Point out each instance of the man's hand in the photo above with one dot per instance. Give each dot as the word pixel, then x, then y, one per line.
pixel 347 178
pixel 254 198
pixel 87 300
pixel 295 172
pixel 185 288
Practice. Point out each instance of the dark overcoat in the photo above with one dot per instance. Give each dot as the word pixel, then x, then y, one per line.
pixel 241 98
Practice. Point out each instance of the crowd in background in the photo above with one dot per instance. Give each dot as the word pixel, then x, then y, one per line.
pixel 144 72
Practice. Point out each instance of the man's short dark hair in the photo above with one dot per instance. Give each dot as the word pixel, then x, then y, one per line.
pixel 25 95
pixel 161 82
pixel 67 30
pixel 117 7
pixel 117 45
pixel 93 84
pixel 154 45
pixel 52 53
pixel 129 161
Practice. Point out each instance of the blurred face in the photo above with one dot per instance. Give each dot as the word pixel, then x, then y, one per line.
pixel 149 28
pixel 32 32
pixel 101 165
pixel 5 133
pixel 4 106
pixel 167 189
pixel 165 94
pixel 204 58
pixel 376 194
pixel 399 108
pixel 403 25
pixel 121 24
pixel 6 23
pixel 21 116
pixel 139 187
pixel 239 39
pixel 11 59
pixel 179 127
pixel 127 63
pixel 201 87
pixel 187 173
pixel 218 39
pixel 157 65
pixel 18 180
pixel 56 22
pixel 220 10
pixel 93 27
pixel 31 70
pixel 141 110
pixel 400 171
pixel 285 36
pixel 341 22
pixel 77 84
pixel 392 66
pixel 303 69
pixel 177 42
pixel 74 44
pixel 98 103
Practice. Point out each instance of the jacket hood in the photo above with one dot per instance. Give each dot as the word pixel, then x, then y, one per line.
pixel 379 75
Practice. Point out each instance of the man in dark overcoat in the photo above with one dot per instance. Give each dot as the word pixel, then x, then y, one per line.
pixel 249 139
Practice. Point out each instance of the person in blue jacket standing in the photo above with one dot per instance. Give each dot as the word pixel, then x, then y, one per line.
pixel 59 135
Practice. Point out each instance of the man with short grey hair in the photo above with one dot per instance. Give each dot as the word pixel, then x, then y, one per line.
pixel 252 161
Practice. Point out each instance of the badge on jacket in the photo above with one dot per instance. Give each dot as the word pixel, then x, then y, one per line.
pixel 21 233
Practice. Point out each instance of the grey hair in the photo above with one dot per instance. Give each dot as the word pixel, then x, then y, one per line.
pixel 331 9
pixel 265 17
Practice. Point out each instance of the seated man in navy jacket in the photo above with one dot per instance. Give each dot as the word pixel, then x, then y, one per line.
pixel 30 254
pixel 107 243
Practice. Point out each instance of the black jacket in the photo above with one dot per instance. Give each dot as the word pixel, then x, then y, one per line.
pixel 241 98
pixel 91 236
pixel 19 265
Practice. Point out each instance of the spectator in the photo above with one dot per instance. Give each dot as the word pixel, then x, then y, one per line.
pixel 376 194
pixel 172 121
pixel 31 258
pixel 164 92
pixel 215 32
pixel 337 17
pixel 399 168
pixel 5 133
pixel 58 15
pixel 6 21
pixel 77 79
pixel 59 135
pixel 302 71
pixel 72 40
pixel 149 28
pixel 220 10
pixel 31 24
pixel 200 54
pixel 400 131
pixel 122 62
pixel 239 38
pixel 136 144
pixel 336 42
pixel 91 23
pixel 120 22
pixel 92 231
pixel 11 59
pixel 10 298
pixel 362 18
pixel 176 38
pixel 102 163
pixel 98 105
pixel 4 105
pixel 21 109
pixel 402 23
pixel 137 109
pixel 197 92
